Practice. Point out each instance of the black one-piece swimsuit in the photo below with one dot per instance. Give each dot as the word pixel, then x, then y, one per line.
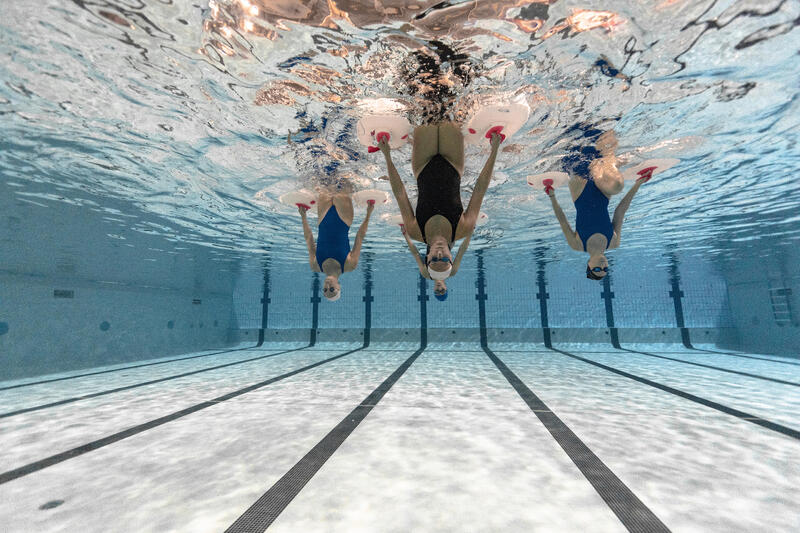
pixel 439 187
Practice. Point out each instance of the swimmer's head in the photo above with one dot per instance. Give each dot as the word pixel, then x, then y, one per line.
pixel 331 288
pixel 597 267
pixel 440 290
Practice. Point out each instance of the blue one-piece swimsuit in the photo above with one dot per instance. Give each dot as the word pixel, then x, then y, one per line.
pixel 592 217
pixel 333 241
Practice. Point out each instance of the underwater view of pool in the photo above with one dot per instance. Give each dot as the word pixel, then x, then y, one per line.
pixel 399 265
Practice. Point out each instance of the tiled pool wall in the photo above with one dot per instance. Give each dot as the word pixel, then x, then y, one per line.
pixel 83 285
pixel 764 295
pixel 669 299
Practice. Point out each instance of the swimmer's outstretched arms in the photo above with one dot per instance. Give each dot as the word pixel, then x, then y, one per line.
pixel 331 254
pixel 591 186
pixel 439 219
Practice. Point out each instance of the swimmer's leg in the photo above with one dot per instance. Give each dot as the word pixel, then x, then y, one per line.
pixel 451 145
pixel 606 176
pixel 426 145
pixel 344 207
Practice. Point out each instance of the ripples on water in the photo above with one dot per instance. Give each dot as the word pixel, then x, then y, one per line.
pixel 185 108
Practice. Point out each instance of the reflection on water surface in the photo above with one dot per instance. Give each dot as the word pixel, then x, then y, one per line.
pixel 185 109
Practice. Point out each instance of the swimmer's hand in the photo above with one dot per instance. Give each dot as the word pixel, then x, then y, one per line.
pixel 302 208
pixel 548 187
pixel 645 175
pixel 495 141
pixel 370 206
pixel 384 147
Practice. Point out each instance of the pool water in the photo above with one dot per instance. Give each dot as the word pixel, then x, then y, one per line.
pixel 168 361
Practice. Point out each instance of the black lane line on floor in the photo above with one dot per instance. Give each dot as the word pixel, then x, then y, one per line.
pixel 259 516
pixel 314 310
pixel 716 352
pixel 265 301
pixel 143 384
pixel 542 295
pixel 628 508
pixel 367 298
pixel 266 509
pixel 36 466
pixel 751 357
pixel 42 382
pixel 422 297
pixel 728 370
pixel 676 293
pixel 753 419
pixel 607 296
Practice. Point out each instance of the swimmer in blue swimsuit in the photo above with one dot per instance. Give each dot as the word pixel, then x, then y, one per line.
pixel 594 178
pixel 331 254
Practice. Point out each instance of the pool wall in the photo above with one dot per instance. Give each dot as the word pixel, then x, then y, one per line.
pixel 674 299
pixel 84 286
pixel 76 292
pixel 764 295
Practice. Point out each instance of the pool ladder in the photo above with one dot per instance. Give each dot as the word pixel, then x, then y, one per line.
pixel 781 305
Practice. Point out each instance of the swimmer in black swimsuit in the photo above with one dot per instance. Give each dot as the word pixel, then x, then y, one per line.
pixel 437 161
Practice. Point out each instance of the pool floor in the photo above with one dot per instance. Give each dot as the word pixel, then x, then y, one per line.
pixel 395 437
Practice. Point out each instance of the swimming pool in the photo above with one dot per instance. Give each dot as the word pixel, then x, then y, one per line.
pixel 168 361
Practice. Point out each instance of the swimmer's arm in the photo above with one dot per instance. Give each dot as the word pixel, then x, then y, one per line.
pixel 312 248
pixel 461 249
pixel 413 249
pixel 399 191
pixel 572 239
pixel 474 207
pixel 619 213
pixel 352 258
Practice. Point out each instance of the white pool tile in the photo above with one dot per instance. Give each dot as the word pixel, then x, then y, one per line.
pixel 450 447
